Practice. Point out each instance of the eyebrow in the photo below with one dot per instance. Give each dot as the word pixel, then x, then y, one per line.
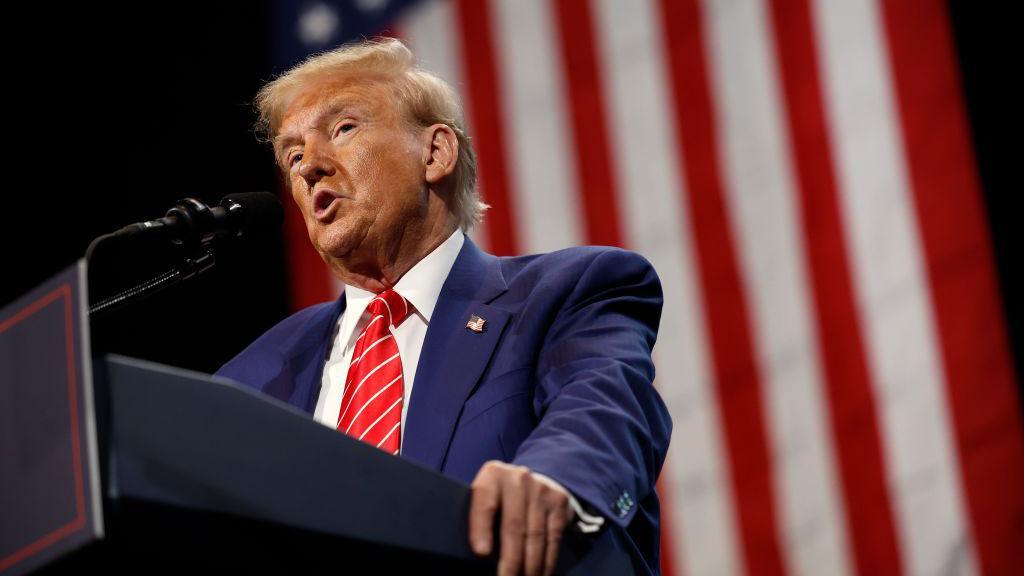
pixel 282 141
pixel 326 110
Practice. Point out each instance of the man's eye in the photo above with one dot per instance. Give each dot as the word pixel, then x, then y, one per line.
pixel 295 159
pixel 345 127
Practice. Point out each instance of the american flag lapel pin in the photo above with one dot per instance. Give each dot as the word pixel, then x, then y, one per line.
pixel 476 323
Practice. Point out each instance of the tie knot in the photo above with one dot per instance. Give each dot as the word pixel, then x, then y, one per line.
pixel 391 305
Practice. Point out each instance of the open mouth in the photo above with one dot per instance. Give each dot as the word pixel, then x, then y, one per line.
pixel 323 204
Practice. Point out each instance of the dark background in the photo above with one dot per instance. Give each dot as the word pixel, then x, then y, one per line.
pixel 117 112
pixel 120 115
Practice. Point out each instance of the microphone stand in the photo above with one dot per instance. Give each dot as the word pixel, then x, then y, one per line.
pixel 200 258
pixel 196 229
pixel 188 268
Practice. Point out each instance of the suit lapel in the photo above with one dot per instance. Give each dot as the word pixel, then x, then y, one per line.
pixel 305 353
pixel 453 356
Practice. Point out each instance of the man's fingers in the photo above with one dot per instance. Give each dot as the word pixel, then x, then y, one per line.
pixel 483 504
pixel 536 529
pixel 557 520
pixel 513 519
pixel 534 514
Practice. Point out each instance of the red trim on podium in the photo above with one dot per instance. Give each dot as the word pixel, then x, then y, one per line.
pixel 78 522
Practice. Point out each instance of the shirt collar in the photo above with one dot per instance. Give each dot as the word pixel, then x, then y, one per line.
pixel 421 285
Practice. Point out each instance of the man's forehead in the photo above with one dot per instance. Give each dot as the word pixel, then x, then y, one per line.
pixel 329 96
pixel 330 93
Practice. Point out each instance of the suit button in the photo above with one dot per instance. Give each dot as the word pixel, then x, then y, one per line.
pixel 623 505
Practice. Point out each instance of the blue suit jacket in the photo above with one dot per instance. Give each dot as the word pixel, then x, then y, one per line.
pixel 560 380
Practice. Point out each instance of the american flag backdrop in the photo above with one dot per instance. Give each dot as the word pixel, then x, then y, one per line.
pixel 833 349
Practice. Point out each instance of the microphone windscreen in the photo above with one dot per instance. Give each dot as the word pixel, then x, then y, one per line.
pixel 260 211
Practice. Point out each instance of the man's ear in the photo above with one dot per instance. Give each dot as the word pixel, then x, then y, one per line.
pixel 443 152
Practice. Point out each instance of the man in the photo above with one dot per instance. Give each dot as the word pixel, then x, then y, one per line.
pixel 529 377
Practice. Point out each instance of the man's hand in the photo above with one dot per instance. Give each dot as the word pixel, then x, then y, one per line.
pixel 534 513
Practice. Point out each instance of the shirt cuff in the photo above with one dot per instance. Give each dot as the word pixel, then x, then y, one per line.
pixel 587 523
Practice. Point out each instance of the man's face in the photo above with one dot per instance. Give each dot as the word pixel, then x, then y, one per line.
pixel 355 168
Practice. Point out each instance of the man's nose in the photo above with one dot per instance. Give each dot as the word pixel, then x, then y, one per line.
pixel 316 162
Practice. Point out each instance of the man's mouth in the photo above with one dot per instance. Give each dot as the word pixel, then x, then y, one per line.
pixel 324 205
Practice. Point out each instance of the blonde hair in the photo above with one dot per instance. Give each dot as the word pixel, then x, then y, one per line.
pixel 427 100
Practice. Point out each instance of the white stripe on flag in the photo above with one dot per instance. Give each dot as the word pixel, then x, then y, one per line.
pixel 536 125
pixel 656 224
pixel 431 33
pixel 892 291
pixel 761 196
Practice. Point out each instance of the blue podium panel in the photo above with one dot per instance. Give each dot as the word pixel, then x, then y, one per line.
pixel 49 473
pixel 184 440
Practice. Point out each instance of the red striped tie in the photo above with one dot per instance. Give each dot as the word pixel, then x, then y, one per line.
pixel 371 408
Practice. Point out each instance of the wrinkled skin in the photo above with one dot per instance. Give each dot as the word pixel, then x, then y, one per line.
pixel 392 180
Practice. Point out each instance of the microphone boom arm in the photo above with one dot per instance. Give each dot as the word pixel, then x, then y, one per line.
pixel 195 228
pixel 188 268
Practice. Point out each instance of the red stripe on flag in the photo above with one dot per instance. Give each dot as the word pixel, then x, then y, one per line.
pixel 309 281
pixel 584 91
pixel 969 316
pixel 485 107
pixel 393 30
pixel 670 565
pixel 850 394
pixel 739 386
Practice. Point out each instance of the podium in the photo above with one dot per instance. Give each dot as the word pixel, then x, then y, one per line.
pixel 122 463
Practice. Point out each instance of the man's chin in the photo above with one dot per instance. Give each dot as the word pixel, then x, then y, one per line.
pixel 335 238
pixel 327 241
pixel 334 251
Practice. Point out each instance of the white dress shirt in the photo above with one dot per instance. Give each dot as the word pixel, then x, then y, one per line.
pixel 421 286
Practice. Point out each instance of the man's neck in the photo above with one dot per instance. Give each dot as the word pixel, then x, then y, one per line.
pixel 382 271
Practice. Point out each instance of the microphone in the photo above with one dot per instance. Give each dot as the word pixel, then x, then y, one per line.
pixel 191 222
pixel 194 225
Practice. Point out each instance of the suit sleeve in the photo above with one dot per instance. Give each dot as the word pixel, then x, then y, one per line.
pixel 603 431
